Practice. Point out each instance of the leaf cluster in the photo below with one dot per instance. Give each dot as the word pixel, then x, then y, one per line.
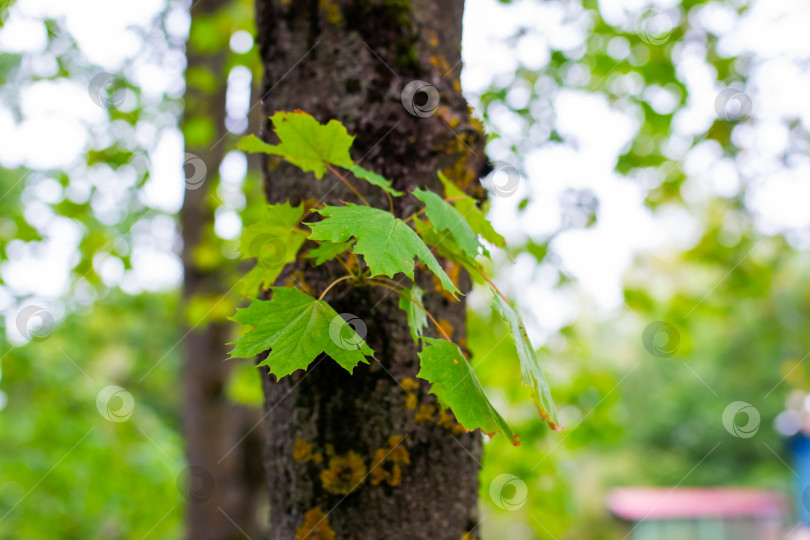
pixel 296 328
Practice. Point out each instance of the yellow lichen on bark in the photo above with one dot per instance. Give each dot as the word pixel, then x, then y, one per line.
pixel 448 422
pixel 410 384
pixel 332 11
pixel 464 172
pixel 315 526
pixel 345 473
pixel 424 414
pixel 388 461
pixel 453 271
pixel 302 452
pixel 447 327
pixel 445 419
pixel 440 63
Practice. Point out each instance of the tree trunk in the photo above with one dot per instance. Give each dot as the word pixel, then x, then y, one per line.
pixel 350 60
pixel 223 480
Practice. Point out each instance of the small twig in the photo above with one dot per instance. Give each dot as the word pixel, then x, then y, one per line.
pixel 348 184
pixel 389 280
pixel 344 265
pixel 338 280
pixel 494 287
pixel 415 214
pixel 417 304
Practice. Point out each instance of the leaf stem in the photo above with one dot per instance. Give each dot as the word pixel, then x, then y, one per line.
pixel 345 265
pixel 348 184
pixel 415 214
pixel 417 304
pixel 338 280
pixel 494 287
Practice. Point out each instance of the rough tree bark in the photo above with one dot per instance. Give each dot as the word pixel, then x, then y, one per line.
pixel 350 60
pixel 224 479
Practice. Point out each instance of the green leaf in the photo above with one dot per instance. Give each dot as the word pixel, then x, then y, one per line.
pixel 305 143
pixel 386 243
pixel 255 145
pixel 311 146
pixel 258 278
pixel 533 375
pixel 279 220
pixel 296 328
pixel 537 250
pixel 468 208
pixel 446 247
pixel 375 179
pixel 327 251
pixel 445 217
pixel 455 384
pixel 417 318
pixel 274 242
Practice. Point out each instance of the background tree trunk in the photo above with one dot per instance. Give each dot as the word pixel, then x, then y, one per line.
pixel 224 479
pixel 350 60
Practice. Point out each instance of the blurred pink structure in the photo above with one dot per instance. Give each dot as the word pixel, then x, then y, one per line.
pixel 701 513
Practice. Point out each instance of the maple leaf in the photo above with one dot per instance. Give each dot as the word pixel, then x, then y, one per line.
pixel 455 385
pixel 375 179
pixel 447 247
pixel 386 243
pixel 468 207
pixel 327 251
pixel 297 328
pixel 533 375
pixel 312 146
pixel 273 242
pixel 445 217
pixel 304 142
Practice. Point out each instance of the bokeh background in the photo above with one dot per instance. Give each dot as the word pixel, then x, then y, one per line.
pixel 660 234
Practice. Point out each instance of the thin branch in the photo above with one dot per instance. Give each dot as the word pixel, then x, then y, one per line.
pixel 338 280
pixel 415 214
pixel 345 265
pixel 348 184
pixel 494 287
pixel 388 280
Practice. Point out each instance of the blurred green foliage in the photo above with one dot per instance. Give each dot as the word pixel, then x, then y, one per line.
pixel 67 471
pixel 69 466
pixel 737 300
